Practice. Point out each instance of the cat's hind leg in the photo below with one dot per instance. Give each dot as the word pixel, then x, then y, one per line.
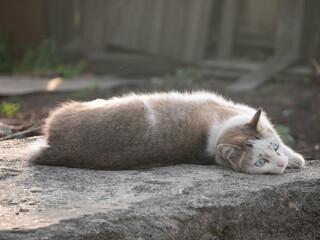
pixel 40 152
pixel 295 160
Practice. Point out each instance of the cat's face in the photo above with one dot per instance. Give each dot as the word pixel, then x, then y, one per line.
pixel 264 155
pixel 253 148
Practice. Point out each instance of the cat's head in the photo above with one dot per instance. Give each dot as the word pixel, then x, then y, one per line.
pixel 252 147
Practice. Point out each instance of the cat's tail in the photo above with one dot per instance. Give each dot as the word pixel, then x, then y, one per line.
pixel 39 152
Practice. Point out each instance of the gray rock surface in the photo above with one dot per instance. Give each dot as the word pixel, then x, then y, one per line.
pixel 178 202
pixel 5 129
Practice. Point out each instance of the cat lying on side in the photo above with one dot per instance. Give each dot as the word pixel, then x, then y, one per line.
pixel 141 131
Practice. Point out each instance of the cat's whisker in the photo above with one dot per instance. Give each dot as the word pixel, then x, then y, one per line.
pixel 304 150
pixel 305 156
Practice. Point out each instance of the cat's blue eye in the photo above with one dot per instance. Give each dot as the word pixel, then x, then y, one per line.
pixel 275 145
pixel 260 162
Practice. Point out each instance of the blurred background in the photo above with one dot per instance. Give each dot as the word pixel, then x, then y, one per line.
pixel 262 53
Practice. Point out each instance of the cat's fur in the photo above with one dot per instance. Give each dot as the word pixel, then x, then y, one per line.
pixel 139 131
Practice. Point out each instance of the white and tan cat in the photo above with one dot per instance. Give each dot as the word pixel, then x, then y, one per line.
pixel 140 131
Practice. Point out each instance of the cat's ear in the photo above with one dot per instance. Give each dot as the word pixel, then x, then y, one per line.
pixel 232 154
pixel 255 120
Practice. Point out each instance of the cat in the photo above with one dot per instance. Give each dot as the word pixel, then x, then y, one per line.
pixel 159 129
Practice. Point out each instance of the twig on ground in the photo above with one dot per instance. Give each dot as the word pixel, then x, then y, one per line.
pixel 34 128
pixel 19 134
pixel 316 65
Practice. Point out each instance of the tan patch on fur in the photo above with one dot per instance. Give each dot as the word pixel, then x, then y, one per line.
pixel 212 112
pixel 237 136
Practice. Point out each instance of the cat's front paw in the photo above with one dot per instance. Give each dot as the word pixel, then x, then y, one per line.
pixel 296 161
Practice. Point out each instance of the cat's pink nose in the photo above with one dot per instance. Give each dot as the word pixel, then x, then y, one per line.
pixel 281 164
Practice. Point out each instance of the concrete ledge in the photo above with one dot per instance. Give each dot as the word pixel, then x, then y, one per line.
pixel 18 85
pixel 178 202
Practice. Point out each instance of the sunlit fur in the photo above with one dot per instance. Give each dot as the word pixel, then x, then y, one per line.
pixel 148 130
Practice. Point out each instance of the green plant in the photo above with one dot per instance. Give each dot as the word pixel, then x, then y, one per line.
pixel 278 78
pixel 46 58
pixel 169 80
pixel 306 81
pixel 79 95
pixel 182 74
pixel 188 75
pixel 8 61
pixel 284 133
pixel 9 108
pixel 266 92
pixel 28 59
pixel 71 72
pixel 317 122
pixel 93 87
pixel 42 59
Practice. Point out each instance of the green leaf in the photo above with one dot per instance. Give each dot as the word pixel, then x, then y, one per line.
pixel 9 109
pixel 284 133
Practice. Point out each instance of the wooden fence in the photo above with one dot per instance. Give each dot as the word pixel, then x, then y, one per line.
pixel 184 30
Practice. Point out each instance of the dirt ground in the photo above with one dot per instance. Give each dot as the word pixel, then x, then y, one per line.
pixel 290 103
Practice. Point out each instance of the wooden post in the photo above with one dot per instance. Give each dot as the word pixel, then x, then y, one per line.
pixel 288 37
pixel 60 19
pixel 225 42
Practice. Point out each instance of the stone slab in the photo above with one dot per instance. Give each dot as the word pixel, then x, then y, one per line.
pixel 17 85
pixel 177 202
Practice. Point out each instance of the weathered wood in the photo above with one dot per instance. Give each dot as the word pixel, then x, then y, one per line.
pixel 60 21
pixel 94 30
pixel 233 69
pixel 288 37
pixel 230 64
pixel 315 73
pixel 253 37
pixel 273 65
pixel 130 64
pixel 258 14
pixel 176 29
pixel 309 29
pixel 197 29
pixel 227 26
pixel 286 50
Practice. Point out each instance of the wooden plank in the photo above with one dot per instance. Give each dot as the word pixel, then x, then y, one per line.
pixel 230 64
pixel 288 37
pixel 316 60
pixel 176 29
pixel 268 69
pixel 234 69
pixel 60 19
pixel 253 37
pixel 198 30
pixel 227 26
pixel 94 26
pixel 258 14
pixel 309 29
pixel 130 64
